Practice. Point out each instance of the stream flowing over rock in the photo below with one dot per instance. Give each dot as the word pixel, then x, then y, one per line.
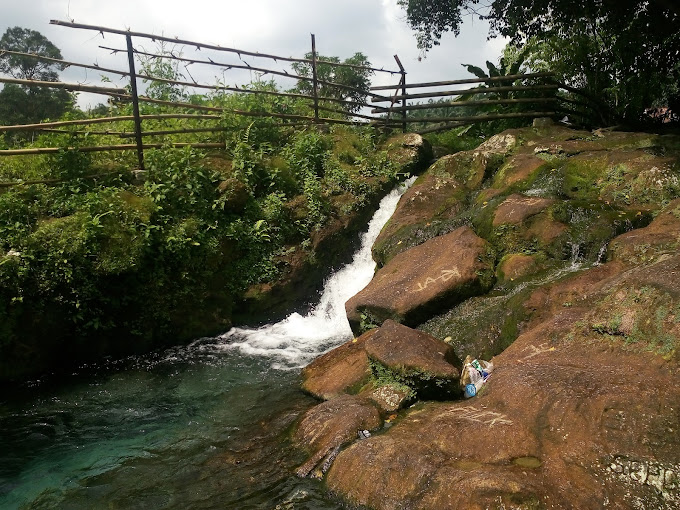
pixel 555 252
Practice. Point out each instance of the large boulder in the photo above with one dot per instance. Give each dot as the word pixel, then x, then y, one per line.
pixel 325 428
pixel 339 371
pixel 410 151
pixel 419 282
pixel 413 354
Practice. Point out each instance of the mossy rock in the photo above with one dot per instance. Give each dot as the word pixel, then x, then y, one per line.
pixel 627 179
pixel 516 266
pixel 467 168
pixel 410 151
pixel 519 172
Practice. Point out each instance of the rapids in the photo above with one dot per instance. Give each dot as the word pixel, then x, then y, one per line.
pixel 192 427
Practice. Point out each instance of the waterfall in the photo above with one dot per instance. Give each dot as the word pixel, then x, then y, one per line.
pixel 298 339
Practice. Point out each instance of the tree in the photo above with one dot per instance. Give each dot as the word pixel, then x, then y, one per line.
pixel 354 77
pixel 21 104
pixel 26 68
pixel 626 50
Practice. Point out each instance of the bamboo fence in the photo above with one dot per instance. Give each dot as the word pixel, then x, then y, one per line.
pixel 498 94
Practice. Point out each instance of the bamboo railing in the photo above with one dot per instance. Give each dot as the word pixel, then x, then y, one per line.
pixel 540 86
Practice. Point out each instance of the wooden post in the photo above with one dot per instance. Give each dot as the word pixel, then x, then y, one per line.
pixel 403 92
pixel 135 102
pixel 315 82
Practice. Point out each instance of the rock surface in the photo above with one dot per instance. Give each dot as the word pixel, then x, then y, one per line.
pixel 412 353
pixel 339 370
pixel 424 279
pixel 582 408
pixel 517 208
pixel 327 426
pixel 568 405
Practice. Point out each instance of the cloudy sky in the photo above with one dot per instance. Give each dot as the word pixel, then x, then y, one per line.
pixel 376 28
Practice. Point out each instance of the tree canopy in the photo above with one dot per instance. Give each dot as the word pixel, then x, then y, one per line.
pixel 628 50
pixel 26 68
pixel 348 76
pixel 21 104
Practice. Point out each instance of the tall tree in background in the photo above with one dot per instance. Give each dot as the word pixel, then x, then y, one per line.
pixel 349 76
pixel 21 104
pixel 625 51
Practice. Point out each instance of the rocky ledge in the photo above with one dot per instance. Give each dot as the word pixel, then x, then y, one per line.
pixel 555 252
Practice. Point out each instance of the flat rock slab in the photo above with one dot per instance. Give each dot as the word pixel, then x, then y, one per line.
pixel 417 283
pixel 329 425
pixel 407 351
pixel 517 208
pixel 339 370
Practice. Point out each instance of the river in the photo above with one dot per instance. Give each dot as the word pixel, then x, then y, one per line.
pixel 202 426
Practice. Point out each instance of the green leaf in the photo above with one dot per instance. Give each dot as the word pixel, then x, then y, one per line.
pixel 477 71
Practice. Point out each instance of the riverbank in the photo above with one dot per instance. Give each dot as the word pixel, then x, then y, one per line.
pixel 554 252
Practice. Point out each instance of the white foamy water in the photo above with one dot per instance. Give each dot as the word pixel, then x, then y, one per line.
pixel 298 339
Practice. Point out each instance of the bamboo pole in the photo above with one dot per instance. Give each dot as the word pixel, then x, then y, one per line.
pixel 236 66
pixel 104 148
pixel 344 112
pixel 444 127
pixel 470 80
pixel 246 113
pixel 490 90
pixel 74 87
pixel 135 103
pixel 403 93
pixel 63 62
pixel 56 181
pixel 248 91
pixel 315 83
pixel 460 104
pixel 199 45
pixel 103 120
pixel 474 118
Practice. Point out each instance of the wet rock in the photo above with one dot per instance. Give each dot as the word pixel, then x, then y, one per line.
pixel 418 282
pixel 338 371
pixel 466 167
pixel 634 178
pixel 431 197
pixel 517 208
pixel 500 144
pixel 521 168
pixel 325 428
pixel 661 236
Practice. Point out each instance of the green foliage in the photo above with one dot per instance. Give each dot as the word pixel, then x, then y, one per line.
pixel 352 77
pixel 625 53
pixel 383 376
pixel 25 40
pixel 20 104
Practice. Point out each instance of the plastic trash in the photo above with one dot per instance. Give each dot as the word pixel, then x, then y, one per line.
pixel 363 434
pixel 474 375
